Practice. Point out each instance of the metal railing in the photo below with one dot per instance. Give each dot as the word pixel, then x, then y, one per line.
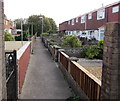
pixel 11 75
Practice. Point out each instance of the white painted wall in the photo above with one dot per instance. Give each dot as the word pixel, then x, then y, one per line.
pixel 97 34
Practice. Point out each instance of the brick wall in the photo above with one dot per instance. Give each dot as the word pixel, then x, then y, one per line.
pixel 2 56
pixel 23 64
pixel 113 17
pixel 93 24
pixel 111 63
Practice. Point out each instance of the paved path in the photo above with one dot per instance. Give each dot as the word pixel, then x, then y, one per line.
pixel 43 79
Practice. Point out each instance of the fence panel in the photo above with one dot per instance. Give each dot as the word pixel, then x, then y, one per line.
pixel 87 82
pixel 64 60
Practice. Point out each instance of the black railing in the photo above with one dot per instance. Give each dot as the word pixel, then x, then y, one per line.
pixel 11 75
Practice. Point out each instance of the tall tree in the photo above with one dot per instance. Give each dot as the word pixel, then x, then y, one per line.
pixel 53 25
pixel 34 21
pixel 49 25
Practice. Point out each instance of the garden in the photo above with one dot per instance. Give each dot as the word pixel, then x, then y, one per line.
pixel 75 46
pixel 89 52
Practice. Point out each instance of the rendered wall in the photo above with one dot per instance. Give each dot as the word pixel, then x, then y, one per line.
pixel 2 56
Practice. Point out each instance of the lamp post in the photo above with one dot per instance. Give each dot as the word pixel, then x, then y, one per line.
pixel 22 31
pixel 42 23
pixel 28 34
pixel 32 29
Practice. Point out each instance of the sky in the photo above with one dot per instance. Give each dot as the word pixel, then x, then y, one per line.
pixel 59 10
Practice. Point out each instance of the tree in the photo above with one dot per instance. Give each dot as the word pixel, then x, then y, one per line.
pixel 53 26
pixel 8 36
pixel 18 23
pixel 49 25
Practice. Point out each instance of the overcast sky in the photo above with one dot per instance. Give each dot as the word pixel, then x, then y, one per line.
pixel 59 10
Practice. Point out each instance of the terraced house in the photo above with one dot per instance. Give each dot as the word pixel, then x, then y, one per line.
pixel 92 24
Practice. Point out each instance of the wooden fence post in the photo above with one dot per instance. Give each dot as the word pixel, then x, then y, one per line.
pixel 69 61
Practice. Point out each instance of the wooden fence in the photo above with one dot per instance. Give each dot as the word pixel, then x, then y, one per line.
pixel 87 82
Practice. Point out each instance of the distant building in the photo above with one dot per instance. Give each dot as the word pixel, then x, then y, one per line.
pixel 92 24
pixel 9 26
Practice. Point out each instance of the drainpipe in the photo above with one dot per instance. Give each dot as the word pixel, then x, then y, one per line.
pixel 85 22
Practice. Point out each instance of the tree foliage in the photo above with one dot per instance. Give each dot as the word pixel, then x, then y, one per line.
pixel 49 25
pixel 25 36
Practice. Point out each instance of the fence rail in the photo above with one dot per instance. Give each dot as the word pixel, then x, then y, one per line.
pixel 86 81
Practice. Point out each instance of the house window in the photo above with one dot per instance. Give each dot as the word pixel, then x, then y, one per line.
pixel 83 19
pixel 76 20
pixel 77 32
pixel 72 21
pixel 83 33
pixel 68 22
pixel 90 16
pixel 115 9
pixel 101 32
pixel 101 14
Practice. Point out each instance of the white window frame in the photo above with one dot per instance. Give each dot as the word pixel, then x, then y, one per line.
pixel 101 14
pixel 90 16
pixel 72 21
pixel 68 22
pixel 115 9
pixel 83 19
pixel 76 20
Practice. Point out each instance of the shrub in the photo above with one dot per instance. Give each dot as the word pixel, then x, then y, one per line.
pixel 100 47
pixel 92 51
pixel 8 36
pixel 83 52
pixel 53 42
pixel 100 44
pixel 72 41
pixel 45 34
pixel 36 34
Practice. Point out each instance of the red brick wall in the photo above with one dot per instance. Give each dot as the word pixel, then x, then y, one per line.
pixel 113 17
pixel 93 23
pixel 23 64
pixel 63 26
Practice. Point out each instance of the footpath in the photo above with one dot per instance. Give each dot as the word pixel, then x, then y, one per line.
pixel 44 79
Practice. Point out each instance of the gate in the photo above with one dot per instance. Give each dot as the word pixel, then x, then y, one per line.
pixel 11 75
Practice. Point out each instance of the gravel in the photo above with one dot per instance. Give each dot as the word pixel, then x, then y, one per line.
pixel 93 66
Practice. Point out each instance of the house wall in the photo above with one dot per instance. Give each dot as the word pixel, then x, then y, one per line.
pixel 63 26
pixel 9 25
pixel 113 17
pixel 94 23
